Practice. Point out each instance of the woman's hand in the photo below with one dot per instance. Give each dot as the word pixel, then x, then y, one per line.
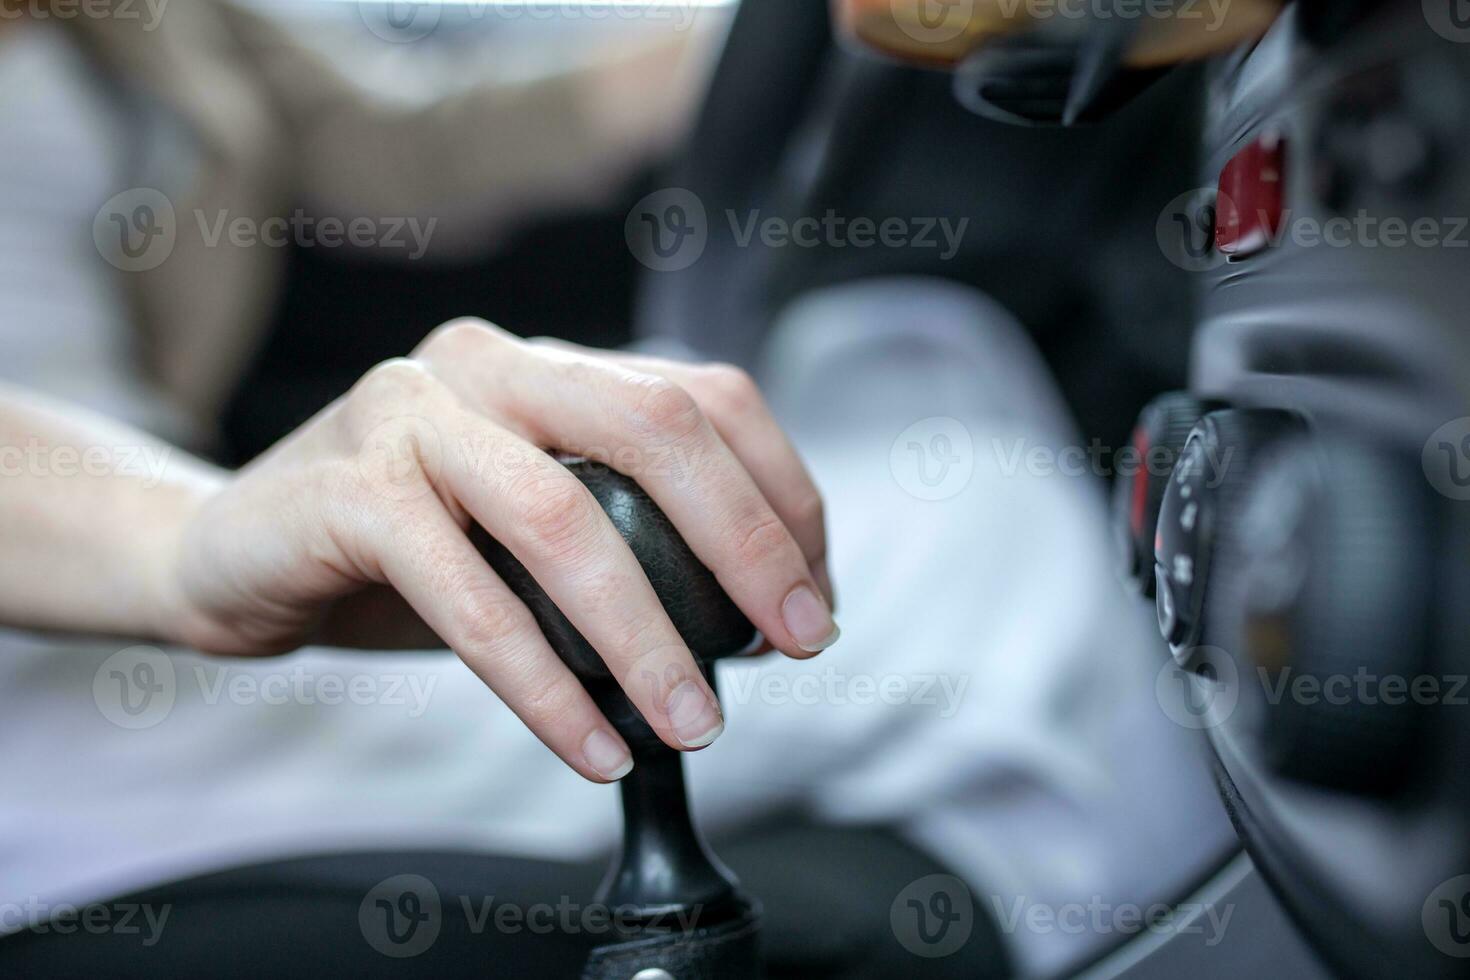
pixel 353 529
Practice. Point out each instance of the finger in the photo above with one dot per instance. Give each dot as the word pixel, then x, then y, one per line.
pixel 574 402
pixel 552 524
pixel 732 401
pixel 427 558
pixel 734 405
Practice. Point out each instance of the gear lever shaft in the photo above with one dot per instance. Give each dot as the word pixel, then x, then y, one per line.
pixel 687 907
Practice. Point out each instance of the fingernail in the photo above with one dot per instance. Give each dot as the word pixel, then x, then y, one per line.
pixel 694 716
pixel 607 755
pixel 809 620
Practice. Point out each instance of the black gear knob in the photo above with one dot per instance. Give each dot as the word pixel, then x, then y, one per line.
pixel 711 625
pixel 685 907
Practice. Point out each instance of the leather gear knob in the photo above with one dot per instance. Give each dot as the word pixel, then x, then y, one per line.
pixel 711 624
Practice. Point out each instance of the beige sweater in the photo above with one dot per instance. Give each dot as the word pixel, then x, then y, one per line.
pixel 276 124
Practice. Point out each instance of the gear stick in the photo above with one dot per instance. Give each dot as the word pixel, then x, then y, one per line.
pixel 687 918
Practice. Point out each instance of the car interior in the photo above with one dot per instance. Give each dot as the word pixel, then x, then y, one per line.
pixel 1242 241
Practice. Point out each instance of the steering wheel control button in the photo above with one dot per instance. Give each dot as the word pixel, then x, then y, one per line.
pixel 1199 514
pixel 1143 474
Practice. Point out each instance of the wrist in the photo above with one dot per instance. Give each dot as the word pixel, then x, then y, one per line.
pixel 169 612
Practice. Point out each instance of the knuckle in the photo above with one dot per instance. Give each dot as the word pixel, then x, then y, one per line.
pixel 735 389
pixel 545 701
pixel 396 378
pixel 810 512
pixel 653 671
pixel 486 622
pixel 458 337
pixel 641 642
pixel 557 512
pixel 660 408
pixel 760 540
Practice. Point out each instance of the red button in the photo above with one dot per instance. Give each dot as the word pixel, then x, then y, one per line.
pixel 1248 209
